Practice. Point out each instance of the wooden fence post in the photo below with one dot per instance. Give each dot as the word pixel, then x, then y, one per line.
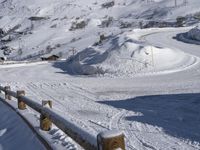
pixel 7 96
pixel 21 104
pixel 111 140
pixel 45 123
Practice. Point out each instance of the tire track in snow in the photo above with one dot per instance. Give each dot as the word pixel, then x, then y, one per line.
pixel 41 95
pixel 115 124
pixel 44 93
pixel 130 134
pixel 57 89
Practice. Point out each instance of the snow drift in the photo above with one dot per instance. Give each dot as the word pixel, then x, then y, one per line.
pixel 126 55
pixel 194 34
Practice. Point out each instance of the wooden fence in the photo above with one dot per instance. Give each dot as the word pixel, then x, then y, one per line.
pixel 108 140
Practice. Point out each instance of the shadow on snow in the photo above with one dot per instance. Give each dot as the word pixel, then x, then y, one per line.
pixel 87 61
pixel 82 63
pixel 178 115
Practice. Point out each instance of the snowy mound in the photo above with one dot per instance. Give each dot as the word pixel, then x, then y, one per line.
pixel 194 33
pixel 192 36
pixel 125 55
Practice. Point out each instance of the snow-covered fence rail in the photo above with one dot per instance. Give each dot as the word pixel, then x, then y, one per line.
pixel 108 140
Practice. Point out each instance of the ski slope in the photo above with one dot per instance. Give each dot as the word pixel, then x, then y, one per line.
pixel 156 110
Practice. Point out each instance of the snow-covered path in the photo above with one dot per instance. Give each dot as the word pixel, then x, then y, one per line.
pixel 167 120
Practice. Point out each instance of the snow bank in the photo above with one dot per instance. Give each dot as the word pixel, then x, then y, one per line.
pixel 14 64
pixel 194 34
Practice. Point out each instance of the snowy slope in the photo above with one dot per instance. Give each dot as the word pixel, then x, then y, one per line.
pixel 52 26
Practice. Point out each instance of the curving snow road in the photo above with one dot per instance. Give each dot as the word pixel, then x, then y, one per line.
pixel 167 39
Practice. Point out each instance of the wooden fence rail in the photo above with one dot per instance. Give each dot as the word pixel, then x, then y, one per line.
pixel 108 140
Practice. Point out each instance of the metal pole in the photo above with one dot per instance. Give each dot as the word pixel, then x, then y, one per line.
pixel 175 2
pixel 152 56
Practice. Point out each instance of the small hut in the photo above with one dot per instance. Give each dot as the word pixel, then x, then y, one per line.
pixel 2 59
pixel 49 58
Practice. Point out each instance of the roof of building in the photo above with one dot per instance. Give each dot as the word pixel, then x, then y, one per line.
pixel 49 55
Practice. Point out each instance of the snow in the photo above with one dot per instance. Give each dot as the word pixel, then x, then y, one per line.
pixel 58 17
pixel 194 34
pixel 128 55
pixel 11 129
pixel 152 109
pixel 20 64
pixel 110 134
pixel 191 36
pixel 143 82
